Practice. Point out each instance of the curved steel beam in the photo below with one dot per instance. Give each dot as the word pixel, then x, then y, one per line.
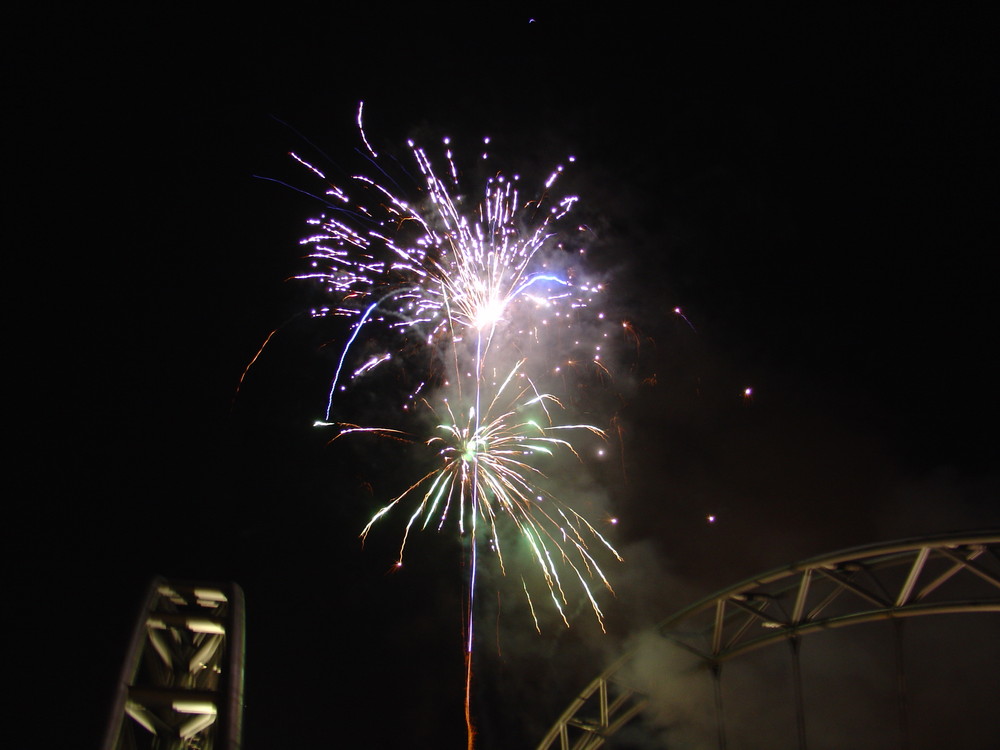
pixel 933 575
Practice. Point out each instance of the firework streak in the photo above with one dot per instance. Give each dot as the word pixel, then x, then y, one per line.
pixel 477 309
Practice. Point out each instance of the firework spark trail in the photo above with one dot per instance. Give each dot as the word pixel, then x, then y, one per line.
pixel 467 286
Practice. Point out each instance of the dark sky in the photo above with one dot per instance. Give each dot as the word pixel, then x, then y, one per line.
pixel 818 194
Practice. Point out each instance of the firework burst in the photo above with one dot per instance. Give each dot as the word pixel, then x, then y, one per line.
pixel 487 472
pixel 431 272
pixel 484 300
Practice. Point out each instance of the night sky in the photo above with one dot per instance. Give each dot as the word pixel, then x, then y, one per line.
pixel 818 194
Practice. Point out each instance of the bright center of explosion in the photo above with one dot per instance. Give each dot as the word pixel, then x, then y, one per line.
pixel 489 314
pixel 473 448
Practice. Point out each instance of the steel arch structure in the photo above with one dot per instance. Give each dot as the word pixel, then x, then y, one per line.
pixel 934 575
pixel 181 684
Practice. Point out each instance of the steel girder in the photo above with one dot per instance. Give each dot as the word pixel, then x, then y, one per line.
pixel 935 575
pixel 181 684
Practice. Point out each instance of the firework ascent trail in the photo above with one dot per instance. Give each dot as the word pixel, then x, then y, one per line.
pixel 480 312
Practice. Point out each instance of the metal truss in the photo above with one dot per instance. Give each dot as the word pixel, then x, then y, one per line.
pixel 181 685
pixel 958 573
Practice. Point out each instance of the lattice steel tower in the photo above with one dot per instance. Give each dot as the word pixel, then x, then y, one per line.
pixel 181 685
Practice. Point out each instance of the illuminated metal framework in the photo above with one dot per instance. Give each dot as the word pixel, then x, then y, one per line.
pixel 926 576
pixel 181 685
